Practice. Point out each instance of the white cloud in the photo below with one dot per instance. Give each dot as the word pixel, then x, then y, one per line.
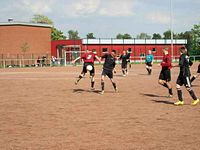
pixel 82 8
pixel 159 17
pixel 117 8
pixel 36 6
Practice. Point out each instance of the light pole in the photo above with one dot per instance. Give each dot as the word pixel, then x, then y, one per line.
pixel 171 28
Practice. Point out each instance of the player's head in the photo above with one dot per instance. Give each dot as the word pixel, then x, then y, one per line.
pixel 124 52
pixel 149 51
pixel 94 51
pixel 183 50
pixel 113 53
pixel 165 50
pixel 88 51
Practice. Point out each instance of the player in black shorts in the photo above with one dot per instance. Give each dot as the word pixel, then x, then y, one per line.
pixel 184 78
pixel 124 58
pixel 196 75
pixel 108 68
pixel 165 74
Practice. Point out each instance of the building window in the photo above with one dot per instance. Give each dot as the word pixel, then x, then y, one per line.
pixel 104 50
pixel 154 50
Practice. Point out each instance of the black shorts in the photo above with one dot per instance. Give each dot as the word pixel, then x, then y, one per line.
pixel 92 72
pixel 124 65
pixel 181 80
pixel 198 71
pixel 165 74
pixel 108 73
pixel 149 64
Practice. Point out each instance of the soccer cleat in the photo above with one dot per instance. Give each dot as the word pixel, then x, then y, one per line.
pixel 194 102
pixel 116 90
pixel 170 96
pixel 76 82
pixel 92 89
pixel 179 103
pixel 102 92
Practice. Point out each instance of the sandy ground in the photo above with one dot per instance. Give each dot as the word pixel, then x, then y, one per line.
pixel 42 109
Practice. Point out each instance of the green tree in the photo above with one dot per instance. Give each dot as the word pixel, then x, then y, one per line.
pixel 57 34
pixel 143 36
pixel 167 34
pixel 123 36
pixel 196 39
pixel 38 18
pixel 90 36
pixel 156 36
pixel 24 48
pixel 119 36
pixel 73 35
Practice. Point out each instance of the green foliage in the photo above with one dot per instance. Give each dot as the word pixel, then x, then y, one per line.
pixel 196 39
pixel 90 36
pixel 156 36
pixel 123 36
pixel 143 36
pixel 73 35
pixel 57 34
pixel 38 18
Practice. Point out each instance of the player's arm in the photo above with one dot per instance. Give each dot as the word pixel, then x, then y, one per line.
pixel 98 58
pixel 76 59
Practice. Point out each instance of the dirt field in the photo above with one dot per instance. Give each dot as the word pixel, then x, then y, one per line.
pixel 42 109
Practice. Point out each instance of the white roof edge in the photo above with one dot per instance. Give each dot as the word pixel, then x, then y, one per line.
pixel 133 41
pixel 25 24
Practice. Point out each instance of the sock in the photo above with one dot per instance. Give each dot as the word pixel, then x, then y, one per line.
pixel 179 93
pixel 192 79
pixel 170 91
pixel 192 95
pixel 147 69
pixel 165 85
pixel 79 78
pixel 114 85
pixel 102 86
pixel 92 84
pixel 123 71
pixel 150 70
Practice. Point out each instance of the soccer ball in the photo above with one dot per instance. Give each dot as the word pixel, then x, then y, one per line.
pixel 89 67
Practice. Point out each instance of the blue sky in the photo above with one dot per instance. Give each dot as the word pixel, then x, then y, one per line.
pixel 107 18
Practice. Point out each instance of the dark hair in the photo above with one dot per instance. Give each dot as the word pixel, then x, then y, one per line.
pixel 183 49
pixel 114 51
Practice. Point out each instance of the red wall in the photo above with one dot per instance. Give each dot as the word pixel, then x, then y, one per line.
pixel 136 49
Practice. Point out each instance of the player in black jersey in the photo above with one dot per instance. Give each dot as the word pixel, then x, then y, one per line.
pixel 108 68
pixel 124 57
pixel 184 78
pixel 196 75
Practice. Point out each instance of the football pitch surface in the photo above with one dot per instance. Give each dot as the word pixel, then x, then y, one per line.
pixel 42 109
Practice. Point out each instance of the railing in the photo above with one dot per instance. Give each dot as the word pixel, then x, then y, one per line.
pixel 8 63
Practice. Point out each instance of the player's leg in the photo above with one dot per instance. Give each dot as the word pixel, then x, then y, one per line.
pixel 80 77
pixel 191 92
pixel 92 74
pixel 110 75
pixel 150 68
pixel 147 68
pixel 195 76
pixel 179 93
pixel 103 74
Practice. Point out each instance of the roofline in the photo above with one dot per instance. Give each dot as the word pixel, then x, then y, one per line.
pixel 25 24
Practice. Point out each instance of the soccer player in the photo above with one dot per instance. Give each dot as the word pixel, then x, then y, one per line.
pixel 184 78
pixel 196 75
pixel 124 58
pixel 108 68
pixel 149 62
pixel 88 58
pixel 165 74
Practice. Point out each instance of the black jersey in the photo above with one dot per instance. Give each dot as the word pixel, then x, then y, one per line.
pixel 124 58
pixel 109 63
pixel 184 64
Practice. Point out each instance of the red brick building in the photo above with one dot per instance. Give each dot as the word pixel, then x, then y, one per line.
pixel 16 35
